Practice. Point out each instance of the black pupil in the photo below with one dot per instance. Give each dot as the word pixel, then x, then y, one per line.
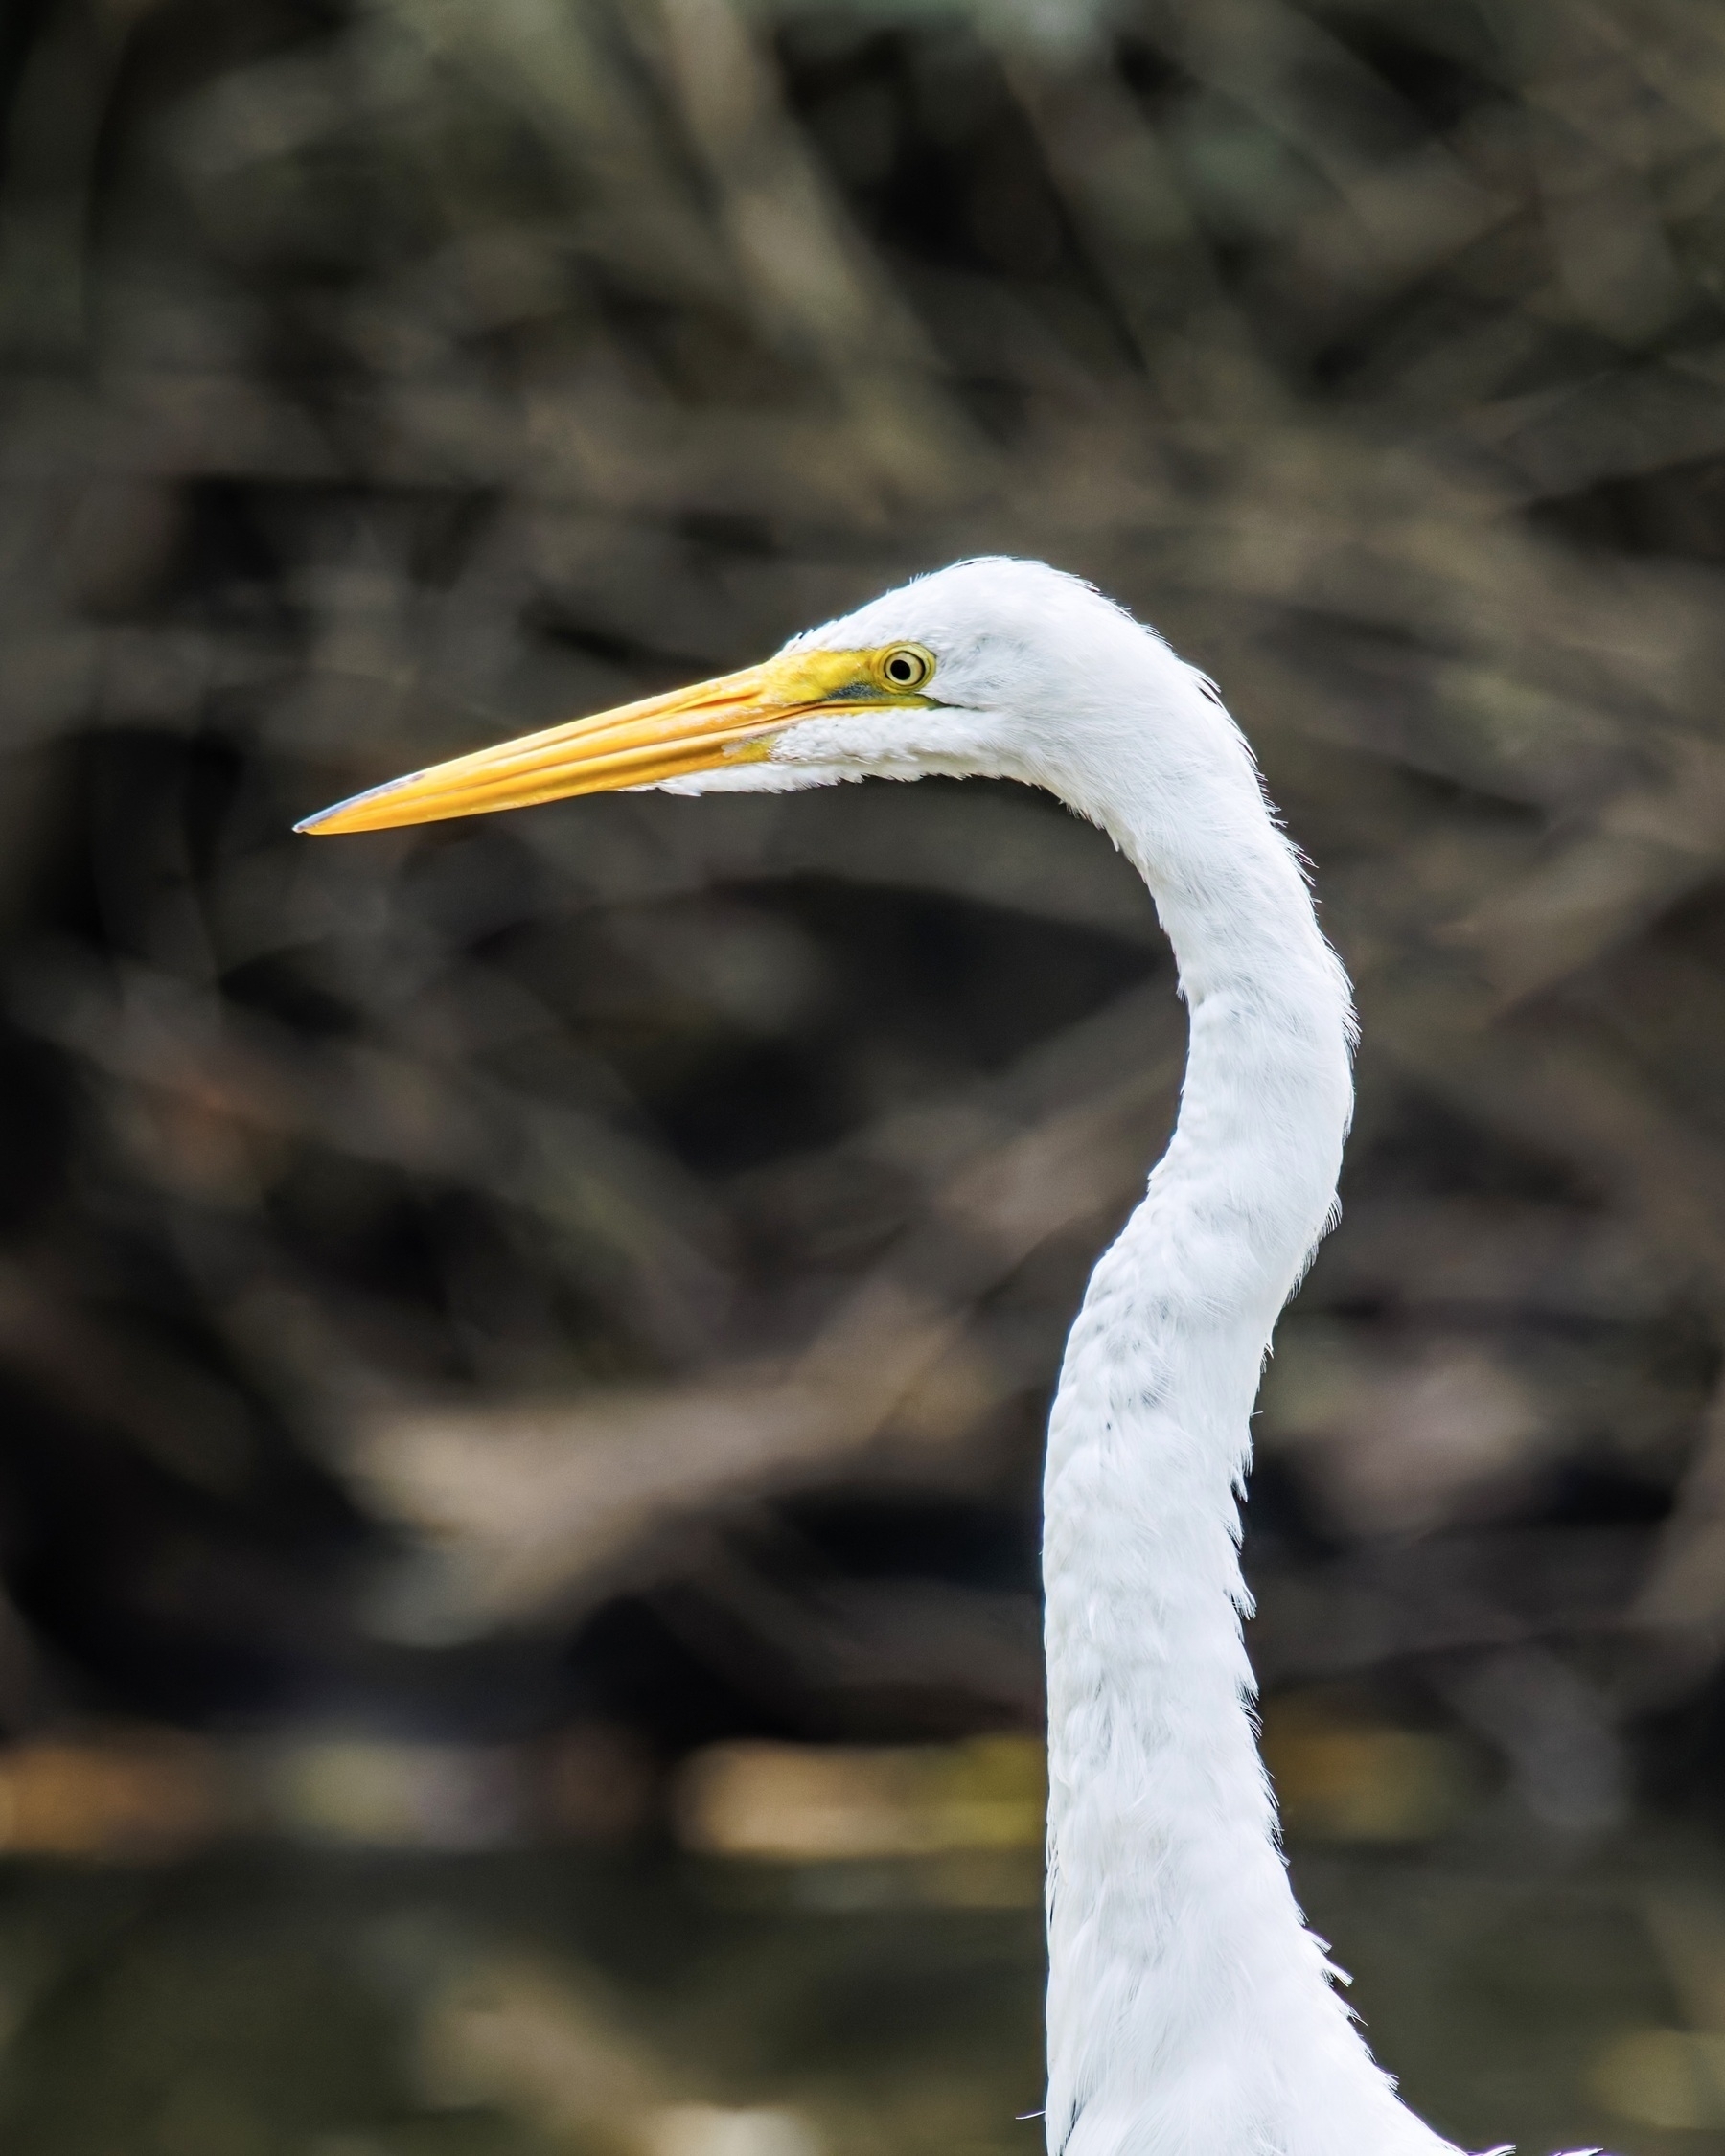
pixel 900 669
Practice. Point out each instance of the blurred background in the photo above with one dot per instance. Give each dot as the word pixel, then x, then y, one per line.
pixel 524 1346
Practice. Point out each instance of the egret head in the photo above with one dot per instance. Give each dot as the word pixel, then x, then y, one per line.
pixel 992 668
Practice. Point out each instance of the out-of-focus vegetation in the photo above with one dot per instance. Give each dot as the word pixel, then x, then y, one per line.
pixel 513 1334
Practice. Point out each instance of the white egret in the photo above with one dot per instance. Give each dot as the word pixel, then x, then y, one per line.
pixel 1190 2012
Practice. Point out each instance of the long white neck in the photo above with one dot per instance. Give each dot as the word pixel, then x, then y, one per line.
pixel 1190 2013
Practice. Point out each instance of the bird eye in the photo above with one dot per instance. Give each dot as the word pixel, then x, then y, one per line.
pixel 907 666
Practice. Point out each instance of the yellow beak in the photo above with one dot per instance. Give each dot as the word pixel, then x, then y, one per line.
pixel 716 722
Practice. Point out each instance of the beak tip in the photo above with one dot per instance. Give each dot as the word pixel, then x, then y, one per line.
pixel 327 822
pixel 323 825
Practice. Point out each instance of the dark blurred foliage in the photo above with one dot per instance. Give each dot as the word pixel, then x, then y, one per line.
pixel 606 1265
pixel 584 1286
pixel 614 1258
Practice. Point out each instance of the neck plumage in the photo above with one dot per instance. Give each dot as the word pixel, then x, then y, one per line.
pixel 1189 2010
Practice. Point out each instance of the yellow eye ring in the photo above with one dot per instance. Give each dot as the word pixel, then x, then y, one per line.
pixel 904 667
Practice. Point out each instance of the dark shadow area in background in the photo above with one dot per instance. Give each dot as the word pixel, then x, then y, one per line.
pixel 491 1318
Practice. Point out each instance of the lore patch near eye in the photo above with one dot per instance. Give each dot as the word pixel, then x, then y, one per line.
pixel 907 666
